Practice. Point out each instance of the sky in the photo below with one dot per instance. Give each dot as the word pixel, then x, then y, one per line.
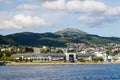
pixel 99 17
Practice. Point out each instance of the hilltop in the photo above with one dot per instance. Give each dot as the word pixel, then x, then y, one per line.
pixel 70 31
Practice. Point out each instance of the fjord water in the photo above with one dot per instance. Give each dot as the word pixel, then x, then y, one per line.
pixel 61 72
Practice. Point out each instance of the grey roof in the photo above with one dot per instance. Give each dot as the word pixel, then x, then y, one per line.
pixel 83 55
pixel 39 55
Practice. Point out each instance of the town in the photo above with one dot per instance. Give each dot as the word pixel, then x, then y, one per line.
pixel 73 52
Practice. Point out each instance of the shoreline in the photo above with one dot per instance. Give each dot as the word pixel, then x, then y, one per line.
pixel 52 64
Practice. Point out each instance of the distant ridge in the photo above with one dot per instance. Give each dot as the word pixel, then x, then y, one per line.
pixel 57 39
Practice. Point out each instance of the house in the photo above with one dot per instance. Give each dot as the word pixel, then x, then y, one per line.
pixel 85 56
pixel 75 56
pixel 107 58
pixel 6 49
pixel 117 57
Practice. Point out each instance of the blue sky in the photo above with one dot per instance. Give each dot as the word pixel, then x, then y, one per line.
pixel 100 17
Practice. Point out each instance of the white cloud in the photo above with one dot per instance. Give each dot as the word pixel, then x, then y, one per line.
pixel 58 4
pixel 76 5
pixel 91 19
pixel 115 11
pixel 85 6
pixel 8 25
pixel 20 21
pixel 94 11
pixel 28 7
pixel 42 0
pixel 94 6
pixel 6 2
pixel 112 14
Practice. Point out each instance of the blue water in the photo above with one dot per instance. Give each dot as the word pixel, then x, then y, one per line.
pixel 63 72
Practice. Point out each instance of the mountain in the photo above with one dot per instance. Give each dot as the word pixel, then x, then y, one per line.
pixel 57 39
pixel 70 31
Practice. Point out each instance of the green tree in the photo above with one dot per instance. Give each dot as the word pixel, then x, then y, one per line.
pixel 97 59
pixel 29 49
pixel 20 59
pixel 45 50
pixel 81 60
pixel 1 55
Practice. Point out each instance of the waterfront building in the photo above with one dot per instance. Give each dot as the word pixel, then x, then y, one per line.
pixel 72 57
